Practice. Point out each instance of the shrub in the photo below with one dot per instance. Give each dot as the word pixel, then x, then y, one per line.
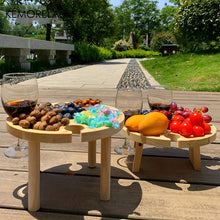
pixel 139 54
pixel 86 53
pixel 143 47
pixel 122 45
pixel 9 67
pixel 162 38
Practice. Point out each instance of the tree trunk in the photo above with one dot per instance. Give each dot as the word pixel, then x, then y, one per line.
pixel 48 32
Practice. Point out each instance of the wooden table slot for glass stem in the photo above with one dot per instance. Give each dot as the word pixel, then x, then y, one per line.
pixel 64 135
pixel 193 144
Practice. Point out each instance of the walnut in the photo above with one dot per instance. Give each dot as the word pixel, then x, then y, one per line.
pixel 43 125
pixel 43 112
pixel 53 120
pixel 51 113
pixel 22 116
pixel 31 119
pixel 45 118
pixel 56 126
pixel 57 110
pixel 36 125
pixel 24 123
pixel 65 121
pixel 36 113
pixel 49 128
pixel 59 117
pixel 15 121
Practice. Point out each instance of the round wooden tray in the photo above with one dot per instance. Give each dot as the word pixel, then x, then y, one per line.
pixel 166 139
pixel 64 135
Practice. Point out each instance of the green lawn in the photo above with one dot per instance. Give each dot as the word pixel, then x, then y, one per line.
pixel 192 72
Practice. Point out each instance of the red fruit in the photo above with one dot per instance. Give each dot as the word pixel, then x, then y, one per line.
pixel 207 118
pixel 186 129
pixel 173 107
pixel 178 118
pixel 186 114
pixel 178 112
pixel 206 127
pixel 174 126
pixel 204 109
pixel 196 118
pixel 167 113
pixel 187 120
pixel 198 131
pixel 180 109
pixel 187 110
pixel 155 110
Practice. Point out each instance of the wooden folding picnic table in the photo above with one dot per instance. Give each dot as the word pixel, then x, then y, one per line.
pixel 64 135
pixel 193 144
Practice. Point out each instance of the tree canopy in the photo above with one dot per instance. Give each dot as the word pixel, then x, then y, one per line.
pixel 198 20
pixel 141 17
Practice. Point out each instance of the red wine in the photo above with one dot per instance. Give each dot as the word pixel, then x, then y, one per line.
pixel 129 113
pixel 14 108
pixel 159 106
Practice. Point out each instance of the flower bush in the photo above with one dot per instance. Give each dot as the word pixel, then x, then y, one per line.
pixel 162 38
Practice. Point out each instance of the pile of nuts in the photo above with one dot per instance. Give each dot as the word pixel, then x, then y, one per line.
pixel 87 102
pixel 43 117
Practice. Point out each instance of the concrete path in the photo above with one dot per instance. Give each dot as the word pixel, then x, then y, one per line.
pixel 101 75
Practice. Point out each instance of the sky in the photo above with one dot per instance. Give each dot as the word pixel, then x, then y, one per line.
pixel 161 3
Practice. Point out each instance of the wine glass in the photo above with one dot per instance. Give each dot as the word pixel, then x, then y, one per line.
pixel 130 102
pixel 19 94
pixel 159 97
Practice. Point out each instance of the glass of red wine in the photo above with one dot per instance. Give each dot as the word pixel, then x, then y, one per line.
pixel 19 94
pixel 159 97
pixel 130 102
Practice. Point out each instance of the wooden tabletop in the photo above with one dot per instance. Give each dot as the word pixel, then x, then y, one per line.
pixel 165 188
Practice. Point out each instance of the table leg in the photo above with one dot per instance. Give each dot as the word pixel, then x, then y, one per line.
pixel 105 176
pixel 92 154
pixel 194 156
pixel 137 157
pixel 33 176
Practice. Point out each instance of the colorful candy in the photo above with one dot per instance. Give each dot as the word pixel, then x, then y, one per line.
pixel 98 116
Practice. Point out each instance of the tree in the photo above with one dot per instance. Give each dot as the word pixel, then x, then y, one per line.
pixel 141 17
pixel 198 21
pixel 86 20
pixel 4 24
pixel 176 2
pixel 167 15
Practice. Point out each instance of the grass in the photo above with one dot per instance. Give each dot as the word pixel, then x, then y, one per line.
pixel 188 72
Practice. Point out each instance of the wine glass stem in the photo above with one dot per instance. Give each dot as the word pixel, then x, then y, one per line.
pixel 125 145
pixel 18 146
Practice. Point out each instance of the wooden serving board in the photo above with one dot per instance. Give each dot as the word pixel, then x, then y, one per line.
pixel 165 140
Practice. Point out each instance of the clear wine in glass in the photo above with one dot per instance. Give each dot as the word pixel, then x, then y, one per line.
pixel 130 102
pixel 19 94
pixel 159 97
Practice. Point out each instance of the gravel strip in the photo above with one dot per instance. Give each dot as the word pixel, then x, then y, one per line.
pixel 55 71
pixel 133 77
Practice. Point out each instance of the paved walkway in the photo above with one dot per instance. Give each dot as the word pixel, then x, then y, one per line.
pixel 105 74
pixel 101 75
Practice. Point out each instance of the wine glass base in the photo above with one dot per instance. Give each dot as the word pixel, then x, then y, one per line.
pixel 13 152
pixel 125 150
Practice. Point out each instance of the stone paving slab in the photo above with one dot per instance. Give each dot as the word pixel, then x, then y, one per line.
pixel 101 75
